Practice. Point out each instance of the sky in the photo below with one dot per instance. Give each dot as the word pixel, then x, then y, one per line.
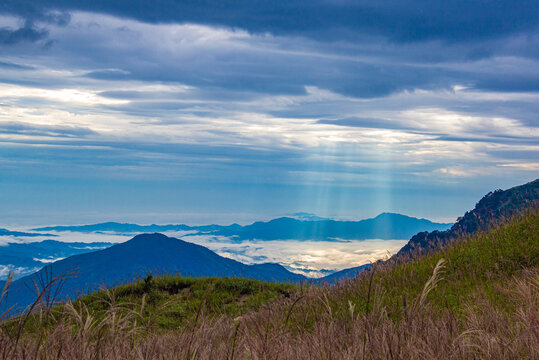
pixel 232 111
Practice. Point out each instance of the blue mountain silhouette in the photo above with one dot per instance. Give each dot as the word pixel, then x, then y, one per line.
pixel 384 226
pixel 134 259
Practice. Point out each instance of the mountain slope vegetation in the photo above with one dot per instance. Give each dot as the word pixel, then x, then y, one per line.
pixel 494 208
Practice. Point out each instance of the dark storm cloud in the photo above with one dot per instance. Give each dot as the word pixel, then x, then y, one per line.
pixel 263 72
pixel 27 33
pixel 529 155
pixel 403 39
pixel 413 58
pixel 36 11
pixel 404 21
pixel 509 83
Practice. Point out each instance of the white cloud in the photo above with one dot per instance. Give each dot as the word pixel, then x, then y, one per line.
pixel 69 96
pixel 457 172
pixel 532 166
pixel 18 272
pixel 48 260
pixel 460 124
pixel 301 256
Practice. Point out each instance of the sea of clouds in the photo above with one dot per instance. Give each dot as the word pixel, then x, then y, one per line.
pixel 311 258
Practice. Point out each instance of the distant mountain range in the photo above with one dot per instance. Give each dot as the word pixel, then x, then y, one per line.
pixel 136 258
pixel 385 226
pixel 6 232
pixel 30 257
pixel 304 226
pixel 135 228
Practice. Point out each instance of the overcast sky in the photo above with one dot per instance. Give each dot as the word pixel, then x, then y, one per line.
pixel 232 111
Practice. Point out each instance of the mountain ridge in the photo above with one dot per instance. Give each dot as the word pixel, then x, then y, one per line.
pixel 387 226
pixel 492 209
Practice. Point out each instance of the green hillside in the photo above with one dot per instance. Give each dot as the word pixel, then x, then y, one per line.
pixel 480 264
pixel 476 298
pixel 172 301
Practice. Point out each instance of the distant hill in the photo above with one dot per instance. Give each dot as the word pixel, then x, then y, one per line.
pixel 137 257
pixel 494 208
pixel 302 226
pixel 343 274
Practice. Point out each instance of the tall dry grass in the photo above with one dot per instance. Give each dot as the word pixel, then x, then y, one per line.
pixel 287 329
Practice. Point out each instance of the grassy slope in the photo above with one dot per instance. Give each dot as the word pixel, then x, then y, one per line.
pixel 172 301
pixel 482 264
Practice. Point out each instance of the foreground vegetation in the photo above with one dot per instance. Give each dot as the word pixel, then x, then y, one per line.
pixel 476 298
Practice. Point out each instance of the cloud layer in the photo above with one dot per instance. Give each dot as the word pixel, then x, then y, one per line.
pixel 311 258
